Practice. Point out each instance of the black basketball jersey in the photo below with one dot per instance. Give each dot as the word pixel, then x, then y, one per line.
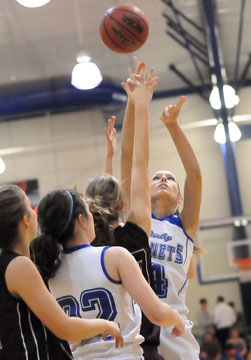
pixel 134 239
pixel 22 335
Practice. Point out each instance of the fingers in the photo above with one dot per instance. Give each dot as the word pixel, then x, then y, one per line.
pixel 111 123
pixel 150 75
pixel 138 65
pixel 136 62
pixel 155 81
pixel 126 87
pixel 110 130
pixel 106 133
pixel 181 101
pixel 119 341
pixel 175 332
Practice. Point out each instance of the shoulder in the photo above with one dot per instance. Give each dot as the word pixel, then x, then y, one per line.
pixel 116 251
pixel 117 254
pixel 22 264
pixel 21 270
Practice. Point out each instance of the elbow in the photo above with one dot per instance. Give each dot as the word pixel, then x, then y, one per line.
pixel 156 318
pixel 197 175
pixel 160 316
pixel 64 331
pixel 191 274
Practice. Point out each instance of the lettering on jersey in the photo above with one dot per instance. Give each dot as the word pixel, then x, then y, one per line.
pixel 162 236
pixel 179 256
pixel 98 300
pixel 160 280
pixel 170 251
pixel 167 252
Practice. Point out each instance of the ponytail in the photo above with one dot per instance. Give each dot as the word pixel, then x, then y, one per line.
pixel 45 252
pixel 57 213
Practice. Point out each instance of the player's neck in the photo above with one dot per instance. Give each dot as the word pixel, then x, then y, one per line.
pixel 160 209
pixel 79 239
pixel 21 248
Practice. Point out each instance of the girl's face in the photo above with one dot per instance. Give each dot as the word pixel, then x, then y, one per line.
pixel 164 185
pixel 32 217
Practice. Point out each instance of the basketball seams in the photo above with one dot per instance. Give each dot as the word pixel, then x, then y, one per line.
pixel 130 11
pixel 124 28
pixel 107 33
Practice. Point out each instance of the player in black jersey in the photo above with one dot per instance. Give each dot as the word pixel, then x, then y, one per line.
pixel 104 195
pixel 31 321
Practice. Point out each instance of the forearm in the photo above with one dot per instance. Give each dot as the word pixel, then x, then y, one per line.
pixel 127 138
pixel 109 164
pixel 127 134
pixel 184 149
pixel 141 136
pixel 162 314
pixel 78 329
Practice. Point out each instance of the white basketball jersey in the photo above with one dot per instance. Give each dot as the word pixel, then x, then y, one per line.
pixel 83 288
pixel 171 250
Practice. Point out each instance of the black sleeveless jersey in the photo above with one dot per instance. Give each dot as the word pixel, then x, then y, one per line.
pixel 22 335
pixel 134 239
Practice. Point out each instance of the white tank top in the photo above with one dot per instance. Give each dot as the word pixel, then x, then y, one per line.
pixel 83 288
pixel 171 250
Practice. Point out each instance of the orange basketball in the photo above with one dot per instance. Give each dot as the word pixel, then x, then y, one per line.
pixel 124 28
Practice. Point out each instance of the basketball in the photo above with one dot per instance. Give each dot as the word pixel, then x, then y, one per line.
pixel 124 28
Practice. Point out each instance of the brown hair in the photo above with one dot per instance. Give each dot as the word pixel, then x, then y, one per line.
pixel 12 210
pixel 104 196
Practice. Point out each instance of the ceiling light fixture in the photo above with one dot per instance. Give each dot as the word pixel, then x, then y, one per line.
pixel 33 3
pixel 230 97
pixel 85 74
pixel 2 166
pixel 233 129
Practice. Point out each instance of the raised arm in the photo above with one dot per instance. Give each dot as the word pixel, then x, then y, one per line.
pixel 193 181
pixel 110 134
pixel 127 138
pixel 29 286
pixel 140 204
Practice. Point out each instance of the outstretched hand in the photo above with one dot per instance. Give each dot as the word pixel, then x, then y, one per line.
pixel 110 133
pixel 139 70
pixel 138 88
pixel 170 113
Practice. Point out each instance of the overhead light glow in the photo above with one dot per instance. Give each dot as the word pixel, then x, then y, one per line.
pixel 33 3
pixel 219 134
pixel 230 97
pixel 234 132
pixel 2 166
pixel 85 75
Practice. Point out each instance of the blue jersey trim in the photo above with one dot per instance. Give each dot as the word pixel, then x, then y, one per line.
pixel 175 220
pixel 186 251
pixel 75 248
pixel 182 287
pixel 104 269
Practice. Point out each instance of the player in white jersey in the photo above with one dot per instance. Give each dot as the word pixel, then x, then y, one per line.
pixel 95 282
pixel 99 296
pixel 172 235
